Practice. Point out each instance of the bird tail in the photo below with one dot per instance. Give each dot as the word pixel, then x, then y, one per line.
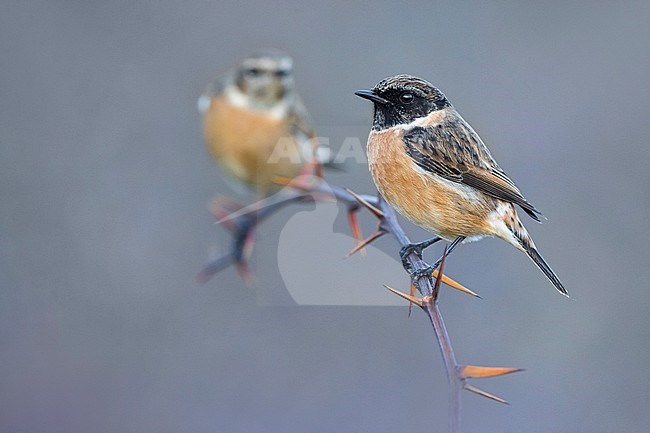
pixel 327 159
pixel 544 267
pixel 527 245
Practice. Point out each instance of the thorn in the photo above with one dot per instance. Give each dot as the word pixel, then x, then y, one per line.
pixel 284 181
pixel 221 211
pixel 409 298
pixel 475 372
pixel 311 185
pixel 455 285
pixel 303 182
pixel 299 182
pixel 413 292
pixel 485 394
pixel 248 210
pixel 366 242
pixel 356 232
pixel 229 220
pixel 379 214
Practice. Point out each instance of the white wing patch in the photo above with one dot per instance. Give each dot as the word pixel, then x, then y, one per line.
pixel 203 104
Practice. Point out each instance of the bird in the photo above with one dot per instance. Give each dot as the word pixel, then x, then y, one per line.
pixel 430 165
pixel 256 126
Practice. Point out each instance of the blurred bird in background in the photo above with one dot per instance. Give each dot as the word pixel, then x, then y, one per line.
pixel 259 133
pixel 256 126
pixel 430 165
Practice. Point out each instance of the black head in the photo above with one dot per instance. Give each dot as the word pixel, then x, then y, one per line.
pixel 402 99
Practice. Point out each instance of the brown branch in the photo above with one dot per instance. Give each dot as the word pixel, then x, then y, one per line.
pixel 243 221
pixel 430 293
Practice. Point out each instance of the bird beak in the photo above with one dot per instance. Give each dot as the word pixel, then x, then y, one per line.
pixel 371 96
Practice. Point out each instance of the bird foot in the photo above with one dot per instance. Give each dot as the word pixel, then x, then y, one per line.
pixel 416 248
pixel 416 274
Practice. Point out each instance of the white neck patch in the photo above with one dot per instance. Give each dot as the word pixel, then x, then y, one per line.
pixel 237 98
pixel 432 118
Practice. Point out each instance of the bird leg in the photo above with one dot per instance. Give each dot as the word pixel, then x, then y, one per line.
pixel 416 274
pixel 244 236
pixel 416 248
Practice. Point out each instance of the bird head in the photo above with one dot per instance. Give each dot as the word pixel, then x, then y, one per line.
pixel 402 99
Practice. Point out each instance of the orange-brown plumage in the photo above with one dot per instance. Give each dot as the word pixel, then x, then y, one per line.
pixel 432 203
pixel 243 141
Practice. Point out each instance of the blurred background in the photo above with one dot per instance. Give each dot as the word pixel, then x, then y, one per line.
pixel 104 182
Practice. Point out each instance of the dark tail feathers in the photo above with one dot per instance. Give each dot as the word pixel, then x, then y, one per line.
pixel 544 267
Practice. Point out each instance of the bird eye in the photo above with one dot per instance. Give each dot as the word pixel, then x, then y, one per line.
pixel 406 97
pixel 281 73
pixel 253 72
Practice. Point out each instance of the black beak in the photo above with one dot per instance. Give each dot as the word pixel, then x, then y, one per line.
pixel 371 96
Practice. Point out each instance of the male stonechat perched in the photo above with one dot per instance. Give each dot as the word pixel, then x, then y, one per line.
pixel 429 164
pixel 255 125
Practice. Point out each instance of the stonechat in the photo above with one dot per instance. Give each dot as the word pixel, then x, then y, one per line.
pixel 433 168
pixel 255 124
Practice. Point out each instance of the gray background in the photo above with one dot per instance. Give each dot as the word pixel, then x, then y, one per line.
pixel 104 181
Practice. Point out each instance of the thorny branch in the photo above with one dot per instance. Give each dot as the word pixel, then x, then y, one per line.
pixel 242 221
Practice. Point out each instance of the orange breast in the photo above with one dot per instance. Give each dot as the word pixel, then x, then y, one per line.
pixel 442 207
pixel 251 146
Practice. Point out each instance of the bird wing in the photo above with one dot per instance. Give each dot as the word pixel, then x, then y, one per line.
pixel 300 119
pixel 301 126
pixel 453 151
